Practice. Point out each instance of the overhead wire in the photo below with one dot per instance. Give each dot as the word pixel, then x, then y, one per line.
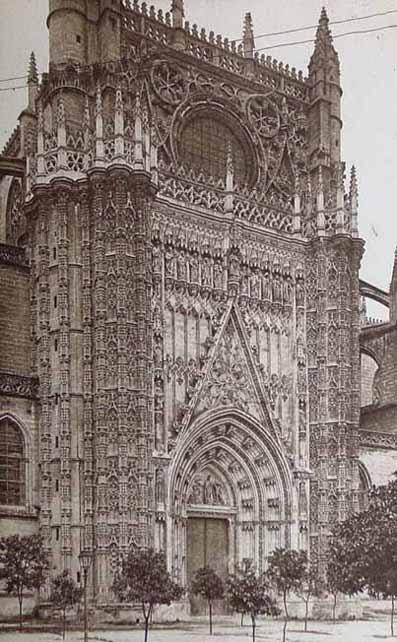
pixel 338 35
pixel 280 33
pixel 331 22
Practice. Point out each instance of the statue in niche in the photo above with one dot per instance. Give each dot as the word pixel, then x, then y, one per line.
pixel 193 268
pixel 255 286
pixel 181 267
pixel 267 295
pixel 170 264
pixel 160 491
pixel 156 258
pixel 244 283
pixel 276 289
pixel 218 275
pixel 158 355
pixel 300 293
pixel 287 289
pixel 206 272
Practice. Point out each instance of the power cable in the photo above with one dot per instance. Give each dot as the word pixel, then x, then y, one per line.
pixel 331 22
pixel 277 33
pixel 338 35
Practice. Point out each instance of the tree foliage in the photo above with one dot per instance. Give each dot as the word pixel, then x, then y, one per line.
pixel 363 549
pixel 65 593
pixel 287 570
pixel 144 579
pixel 210 586
pixel 250 593
pixel 23 565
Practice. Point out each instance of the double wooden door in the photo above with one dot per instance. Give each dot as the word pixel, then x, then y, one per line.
pixel 207 545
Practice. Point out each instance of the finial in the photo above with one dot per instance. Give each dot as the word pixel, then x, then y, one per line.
pixel 297 205
pixel 323 49
pixel 86 120
pixel 229 179
pixel 353 192
pixel 178 12
pixel 32 73
pixel 320 190
pixel 98 100
pixel 248 37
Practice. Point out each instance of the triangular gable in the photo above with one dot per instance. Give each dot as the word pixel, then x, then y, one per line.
pixel 230 376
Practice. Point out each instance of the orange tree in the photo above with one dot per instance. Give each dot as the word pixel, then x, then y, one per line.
pixel 64 594
pixel 210 586
pixel 363 549
pixel 23 565
pixel 144 579
pixel 250 593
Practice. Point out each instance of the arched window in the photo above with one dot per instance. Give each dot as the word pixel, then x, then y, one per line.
pixel 369 368
pixel 203 146
pixel 12 464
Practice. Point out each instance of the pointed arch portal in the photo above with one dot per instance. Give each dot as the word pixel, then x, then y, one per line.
pixel 230 494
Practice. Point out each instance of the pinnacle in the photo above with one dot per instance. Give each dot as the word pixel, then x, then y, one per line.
pixel 32 73
pixel 353 182
pixel 323 47
pixel 248 36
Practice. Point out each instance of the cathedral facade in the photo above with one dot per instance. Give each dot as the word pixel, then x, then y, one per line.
pixel 180 299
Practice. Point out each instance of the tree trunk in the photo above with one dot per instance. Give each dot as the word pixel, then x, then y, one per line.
pixel 334 609
pixel 285 630
pixel 242 619
pixel 64 624
pixel 210 612
pixel 306 612
pixel 392 616
pixel 146 627
pixel 285 604
pixel 253 627
pixel 20 599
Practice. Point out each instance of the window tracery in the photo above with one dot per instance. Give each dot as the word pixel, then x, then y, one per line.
pixel 12 464
pixel 204 147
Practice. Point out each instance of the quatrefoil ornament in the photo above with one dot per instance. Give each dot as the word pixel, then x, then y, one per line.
pixel 168 82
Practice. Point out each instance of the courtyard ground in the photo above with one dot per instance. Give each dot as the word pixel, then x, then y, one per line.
pixel 354 631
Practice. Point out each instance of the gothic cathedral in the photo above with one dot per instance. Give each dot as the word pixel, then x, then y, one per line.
pixel 181 322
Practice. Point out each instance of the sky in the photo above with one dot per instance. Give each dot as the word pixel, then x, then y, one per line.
pixel 369 82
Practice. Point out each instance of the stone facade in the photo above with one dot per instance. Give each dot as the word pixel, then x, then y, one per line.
pixel 188 315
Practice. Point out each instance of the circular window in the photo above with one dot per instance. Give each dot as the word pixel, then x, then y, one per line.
pixel 203 146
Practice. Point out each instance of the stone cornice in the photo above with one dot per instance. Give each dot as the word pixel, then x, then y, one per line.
pixel 15 385
pixel 12 255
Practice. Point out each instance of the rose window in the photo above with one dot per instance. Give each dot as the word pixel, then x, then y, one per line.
pixel 204 144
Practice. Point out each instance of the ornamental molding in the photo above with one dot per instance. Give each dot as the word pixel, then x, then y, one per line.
pixel 11 255
pixel 15 385
pixel 373 439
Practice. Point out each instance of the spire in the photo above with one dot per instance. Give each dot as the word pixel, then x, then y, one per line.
pixel 320 204
pixel 324 49
pixel 33 76
pixel 229 180
pixel 33 83
pixel 248 37
pixel 353 197
pixel 99 145
pixel 119 125
pixel 178 12
pixel 297 205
